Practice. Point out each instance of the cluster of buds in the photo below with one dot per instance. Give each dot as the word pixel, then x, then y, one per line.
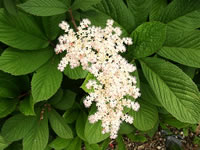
pixel 97 50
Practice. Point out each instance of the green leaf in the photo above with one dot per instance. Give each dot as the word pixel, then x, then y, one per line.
pixel 140 9
pixel 187 22
pixel 84 4
pixel 147 113
pixel 3 143
pixel 44 7
pixel 118 12
pixel 60 143
pixel 75 144
pixel 66 101
pixel 10 6
pixel 174 89
pixel 19 62
pixel 76 73
pixel 93 131
pixel 120 143
pixel 59 125
pixel 92 146
pixel 51 25
pixel 37 138
pixel 126 128
pixel 26 106
pixel 17 127
pixel 71 115
pixel 185 56
pixel 156 9
pixel 177 9
pixel 46 81
pixel 148 95
pixel 8 89
pixel 80 125
pixel 148 38
pixel 137 138
pixel 7 106
pixel 21 32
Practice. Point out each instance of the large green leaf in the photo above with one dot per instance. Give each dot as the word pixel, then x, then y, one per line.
pixel 148 38
pixel 44 7
pixel 174 89
pixel 186 56
pixel 51 27
pixel 19 62
pixel 17 127
pixel 156 9
pixel 3 143
pixel 118 12
pixel 92 146
pixel 46 81
pixel 80 125
pixel 148 95
pixel 37 138
pixel 66 101
pixel 75 144
pixel 76 73
pixel 178 8
pixel 10 6
pixel 147 113
pixel 140 9
pixel 59 125
pixel 120 143
pixel 84 4
pixel 8 89
pixel 93 131
pixel 26 106
pixel 7 106
pixel 60 143
pixel 21 32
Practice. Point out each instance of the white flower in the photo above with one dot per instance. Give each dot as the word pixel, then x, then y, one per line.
pixel 96 50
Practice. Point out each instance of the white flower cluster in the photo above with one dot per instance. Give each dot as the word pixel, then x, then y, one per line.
pixel 96 50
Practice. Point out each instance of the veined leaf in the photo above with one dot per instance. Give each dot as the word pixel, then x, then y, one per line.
pixel 148 38
pixel 156 9
pixel 186 56
pixel 177 9
pixel 147 113
pixel 37 138
pixel 60 143
pixel 46 81
pixel 80 125
pixel 3 143
pixel 10 6
pixel 118 12
pixel 51 25
pixel 174 89
pixel 66 101
pixel 120 143
pixel 75 144
pixel 7 106
pixel 8 89
pixel 140 9
pixel 59 125
pixel 21 32
pixel 17 127
pixel 84 4
pixel 26 106
pixel 19 62
pixel 92 146
pixel 93 131
pixel 44 7
pixel 76 73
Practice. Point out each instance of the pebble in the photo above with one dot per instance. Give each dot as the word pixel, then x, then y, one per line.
pixel 159 147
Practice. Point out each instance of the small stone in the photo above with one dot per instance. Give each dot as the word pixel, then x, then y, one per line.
pixel 159 147
pixel 141 147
